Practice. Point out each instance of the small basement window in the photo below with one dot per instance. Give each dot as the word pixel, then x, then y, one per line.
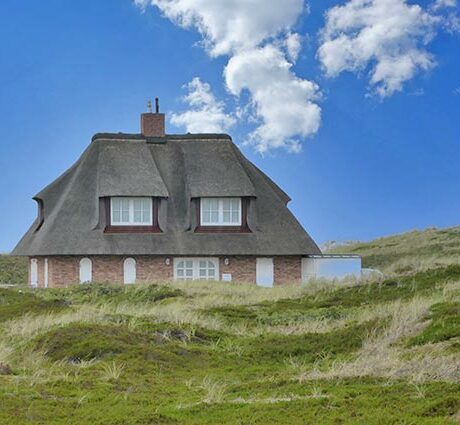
pixel 220 212
pixel 131 211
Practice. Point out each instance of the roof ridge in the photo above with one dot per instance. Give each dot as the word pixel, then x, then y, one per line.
pixel 139 136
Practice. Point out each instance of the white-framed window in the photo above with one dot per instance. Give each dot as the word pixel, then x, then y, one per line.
pixel 220 211
pixel 196 269
pixel 131 211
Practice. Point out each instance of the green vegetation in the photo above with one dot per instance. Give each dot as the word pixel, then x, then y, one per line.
pixel 408 252
pixel 444 325
pixel 380 351
pixel 13 270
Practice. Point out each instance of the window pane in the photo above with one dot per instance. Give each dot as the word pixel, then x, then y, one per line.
pixel 116 216
pixel 209 211
pixel 116 204
pixel 189 264
pixel 206 217
pixel 116 210
pixel 227 216
pixel 146 211
pixel 125 210
pixel 214 216
pixel 137 204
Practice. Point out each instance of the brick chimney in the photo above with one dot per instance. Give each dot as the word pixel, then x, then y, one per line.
pixel 153 124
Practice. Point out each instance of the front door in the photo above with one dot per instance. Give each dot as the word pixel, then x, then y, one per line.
pixel 264 272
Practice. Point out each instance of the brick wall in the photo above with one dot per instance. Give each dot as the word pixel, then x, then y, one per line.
pixel 64 270
pixel 151 269
pixel 287 270
pixel 242 268
pixel 107 268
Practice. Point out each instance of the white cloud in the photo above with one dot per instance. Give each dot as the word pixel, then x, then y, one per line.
pixel 281 100
pixel 231 25
pixel 258 39
pixel 452 23
pixel 388 37
pixel 293 43
pixel 441 4
pixel 206 114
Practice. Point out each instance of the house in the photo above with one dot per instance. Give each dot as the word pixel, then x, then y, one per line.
pixel 155 207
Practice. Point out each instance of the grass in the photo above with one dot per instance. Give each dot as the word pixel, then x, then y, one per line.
pixel 13 270
pixel 408 252
pixel 382 351
pixel 444 325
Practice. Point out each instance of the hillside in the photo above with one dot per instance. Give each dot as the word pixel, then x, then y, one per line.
pixel 13 270
pixel 373 352
pixel 408 252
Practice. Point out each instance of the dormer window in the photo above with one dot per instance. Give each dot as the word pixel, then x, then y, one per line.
pixel 131 211
pixel 222 215
pixel 220 212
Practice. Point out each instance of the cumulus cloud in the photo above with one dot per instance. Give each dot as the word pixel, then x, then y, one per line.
pixel 231 25
pixel 386 37
pixel 261 46
pixel 206 113
pixel 284 102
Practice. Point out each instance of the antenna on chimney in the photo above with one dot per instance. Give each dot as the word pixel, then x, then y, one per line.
pixel 149 106
pixel 157 105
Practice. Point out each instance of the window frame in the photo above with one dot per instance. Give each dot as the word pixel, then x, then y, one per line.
pixel 195 268
pixel 131 210
pixel 230 228
pixel 220 212
pixel 132 228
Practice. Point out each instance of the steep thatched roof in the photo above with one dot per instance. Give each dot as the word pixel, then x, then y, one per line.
pixel 176 168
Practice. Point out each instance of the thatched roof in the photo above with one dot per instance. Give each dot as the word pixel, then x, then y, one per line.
pixel 176 168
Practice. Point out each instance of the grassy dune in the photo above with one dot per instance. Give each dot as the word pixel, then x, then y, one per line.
pixel 360 352
pixel 13 270
pixel 408 252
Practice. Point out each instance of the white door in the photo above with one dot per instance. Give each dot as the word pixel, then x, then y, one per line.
pixel 264 272
pixel 45 273
pixel 129 271
pixel 34 272
pixel 86 270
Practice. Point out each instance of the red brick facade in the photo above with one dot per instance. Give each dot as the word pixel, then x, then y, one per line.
pixel 64 270
pixel 287 270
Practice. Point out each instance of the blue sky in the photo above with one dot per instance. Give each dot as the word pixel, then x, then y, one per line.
pixel 374 164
